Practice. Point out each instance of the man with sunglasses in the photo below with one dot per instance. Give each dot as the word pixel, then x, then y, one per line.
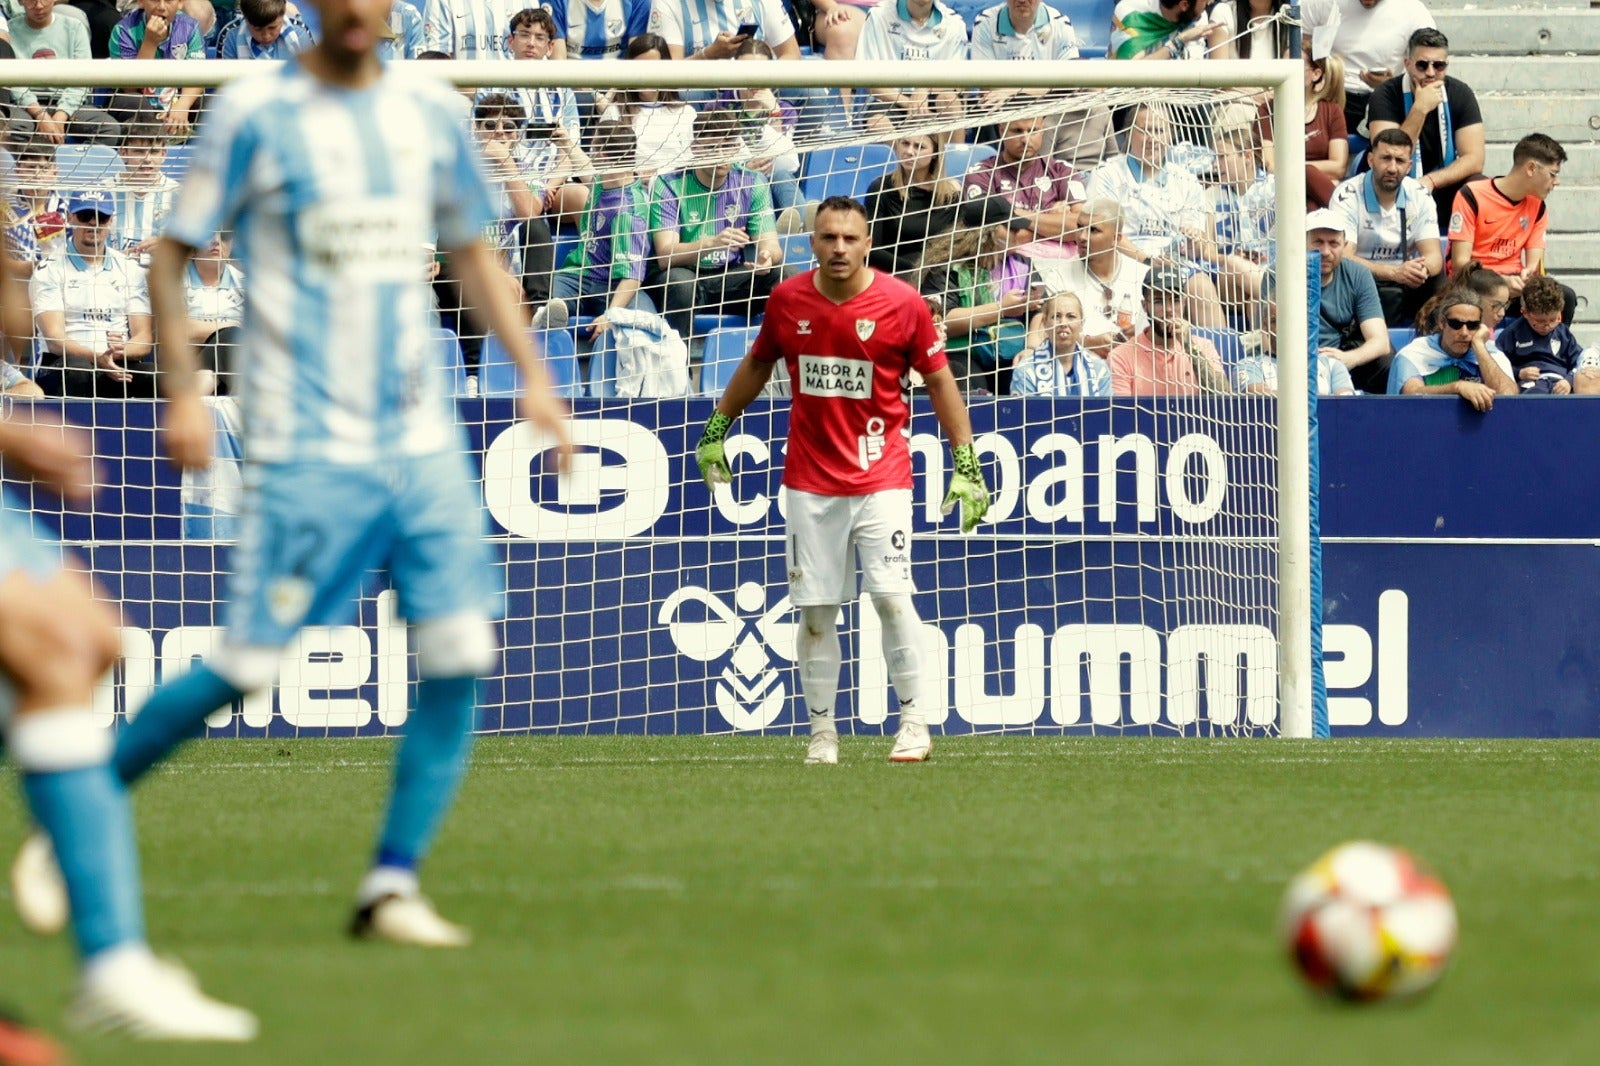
pixel 1438 112
pixel 92 312
pixel 1455 361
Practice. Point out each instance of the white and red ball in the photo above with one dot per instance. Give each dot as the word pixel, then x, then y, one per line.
pixel 1368 922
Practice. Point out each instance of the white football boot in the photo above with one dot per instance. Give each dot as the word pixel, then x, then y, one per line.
pixel 407 919
pixel 912 743
pixel 823 749
pixel 37 890
pixel 147 998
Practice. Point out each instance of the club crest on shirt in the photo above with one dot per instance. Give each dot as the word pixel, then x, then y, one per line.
pixel 288 599
pixel 865 327
pixel 1042 182
pixel 803 327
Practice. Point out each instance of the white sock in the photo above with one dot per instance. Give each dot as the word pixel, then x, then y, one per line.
pixel 822 721
pixel 820 658
pixel 909 714
pixel 111 963
pixel 386 881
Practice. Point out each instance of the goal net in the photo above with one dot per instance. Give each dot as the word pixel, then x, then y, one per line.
pixel 1119 274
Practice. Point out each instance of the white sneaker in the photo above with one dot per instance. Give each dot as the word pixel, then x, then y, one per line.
pixel 824 749
pixel 407 920
pixel 552 314
pixel 37 890
pixel 790 221
pixel 912 743
pixel 153 999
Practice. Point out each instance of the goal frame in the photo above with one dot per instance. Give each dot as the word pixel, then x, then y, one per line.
pixel 1283 77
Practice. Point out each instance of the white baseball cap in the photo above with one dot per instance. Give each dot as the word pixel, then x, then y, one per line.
pixel 1322 218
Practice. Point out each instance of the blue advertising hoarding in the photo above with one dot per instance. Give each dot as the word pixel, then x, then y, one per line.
pixel 637 602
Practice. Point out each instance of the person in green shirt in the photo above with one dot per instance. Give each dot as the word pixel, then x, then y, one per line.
pixel 712 230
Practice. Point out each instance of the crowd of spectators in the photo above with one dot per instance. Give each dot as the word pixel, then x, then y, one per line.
pixel 1127 250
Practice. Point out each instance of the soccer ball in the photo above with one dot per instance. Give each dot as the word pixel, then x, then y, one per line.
pixel 1368 922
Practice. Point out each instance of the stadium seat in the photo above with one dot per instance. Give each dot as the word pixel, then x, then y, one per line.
pixel 960 158
pixel 725 350
pixel 1399 337
pixel 797 251
pixel 561 359
pixel 1091 20
pixel 81 166
pixel 1228 343
pixel 969 10
pixel 177 159
pixel 843 171
pixel 705 325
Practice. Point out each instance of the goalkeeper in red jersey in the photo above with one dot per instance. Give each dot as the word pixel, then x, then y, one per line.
pixel 850 337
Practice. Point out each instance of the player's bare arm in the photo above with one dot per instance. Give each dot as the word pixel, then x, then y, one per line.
pixel 746 383
pixel 35 443
pixel 483 282
pixel 188 427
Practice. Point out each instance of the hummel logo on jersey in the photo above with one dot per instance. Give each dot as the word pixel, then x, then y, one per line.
pixel 864 328
pixel 803 327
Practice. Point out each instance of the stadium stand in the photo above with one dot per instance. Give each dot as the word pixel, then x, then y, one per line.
pixel 1551 88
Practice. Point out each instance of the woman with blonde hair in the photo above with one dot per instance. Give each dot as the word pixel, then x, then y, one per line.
pixel 1327 149
pixel 911 204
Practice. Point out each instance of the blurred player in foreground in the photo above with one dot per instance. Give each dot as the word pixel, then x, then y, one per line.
pixel 334 172
pixel 56 640
pixel 850 337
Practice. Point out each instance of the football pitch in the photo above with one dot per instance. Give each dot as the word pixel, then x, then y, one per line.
pixel 711 900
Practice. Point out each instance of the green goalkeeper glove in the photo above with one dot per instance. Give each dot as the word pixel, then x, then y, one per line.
pixel 967 488
pixel 713 464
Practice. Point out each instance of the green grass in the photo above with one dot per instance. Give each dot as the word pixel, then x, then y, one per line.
pixel 697 900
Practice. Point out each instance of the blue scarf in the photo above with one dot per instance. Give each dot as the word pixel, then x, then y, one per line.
pixel 1447 132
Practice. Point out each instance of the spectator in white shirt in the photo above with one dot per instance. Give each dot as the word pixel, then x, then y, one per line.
pixel 92 312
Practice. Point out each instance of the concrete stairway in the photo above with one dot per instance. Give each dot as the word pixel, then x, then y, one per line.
pixel 1536 68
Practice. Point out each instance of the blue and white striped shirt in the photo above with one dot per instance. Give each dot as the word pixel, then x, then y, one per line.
pixel 405 22
pixel 693 24
pixel 235 42
pixel 141 212
pixel 469 29
pixel 332 195
pixel 598 34
pixel 1040 373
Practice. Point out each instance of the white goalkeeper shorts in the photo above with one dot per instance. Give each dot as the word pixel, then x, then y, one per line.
pixel 821 530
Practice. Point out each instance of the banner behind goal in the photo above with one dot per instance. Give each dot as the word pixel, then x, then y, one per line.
pixel 1146 563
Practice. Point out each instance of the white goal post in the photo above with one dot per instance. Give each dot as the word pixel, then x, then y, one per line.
pixel 1291 467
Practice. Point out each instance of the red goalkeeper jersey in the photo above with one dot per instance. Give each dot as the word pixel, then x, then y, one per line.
pixel 850 367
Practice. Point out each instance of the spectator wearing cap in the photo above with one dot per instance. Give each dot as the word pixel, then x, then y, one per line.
pixel 1454 359
pixel 1500 222
pixel 265 29
pixel 1395 227
pixel 1350 325
pixel 713 231
pixel 1166 358
pixel 92 312
pixel 1439 113
pixel 1043 191
pixel 158 29
pixel 985 290
pixel 56 114
pixel 1108 284
pixel 1061 366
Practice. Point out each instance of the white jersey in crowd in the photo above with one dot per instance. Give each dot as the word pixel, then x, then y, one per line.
pixel 1050 37
pixel 1375 37
pixel 222 303
pixel 693 24
pixel 1378 228
pixel 141 212
pixel 469 29
pixel 1117 303
pixel 332 195
pixel 1261 369
pixel 94 299
pixel 890 34
pixel 1154 207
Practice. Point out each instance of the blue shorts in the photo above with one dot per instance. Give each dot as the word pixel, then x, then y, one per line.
pixel 311 533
